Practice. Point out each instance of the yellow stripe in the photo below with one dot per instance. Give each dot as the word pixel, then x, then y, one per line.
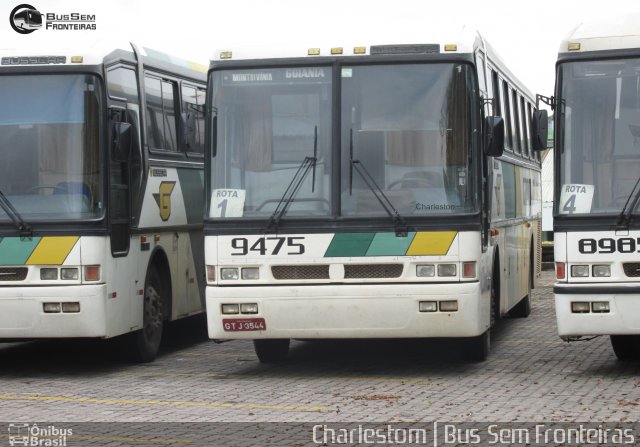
pixel 52 250
pixel 431 243
pixel 162 402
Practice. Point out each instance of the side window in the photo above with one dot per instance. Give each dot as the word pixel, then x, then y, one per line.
pixel 161 114
pixel 193 110
pixel 515 121
pixel 526 148
pixel 480 70
pixel 121 84
pixel 504 101
pixel 496 93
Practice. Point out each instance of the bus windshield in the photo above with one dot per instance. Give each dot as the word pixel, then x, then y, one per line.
pixel 50 166
pixel 598 136
pixel 408 127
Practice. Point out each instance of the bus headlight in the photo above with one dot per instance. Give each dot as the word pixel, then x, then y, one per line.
pixel 446 270
pixel 230 309
pixel 425 271
pixel 580 271
pixel 601 271
pixel 48 274
pixel 229 274
pixel 69 274
pixel 251 273
pixel 600 306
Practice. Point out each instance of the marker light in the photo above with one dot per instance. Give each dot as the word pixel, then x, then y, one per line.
pixel 92 273
pixel 451 47
pixel 336 50
pixel 226 54
pixel 469 269
pixel 560 270
pixel 76 59
pixel 313 52
pixel 211 273
pixel 449 306
pixel 574 46
pixel 359 50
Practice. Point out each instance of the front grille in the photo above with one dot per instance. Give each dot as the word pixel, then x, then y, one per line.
pixel 282 272
pixel 632 269
pixel 370 271
pixel 13 273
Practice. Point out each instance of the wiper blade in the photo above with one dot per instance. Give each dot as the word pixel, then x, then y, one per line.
pixel 624 219
pixel 23 228
pixel 295 184
pixel 399 223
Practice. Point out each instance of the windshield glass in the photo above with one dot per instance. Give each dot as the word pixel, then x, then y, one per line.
pixel 49 137
pixel 598 135
pixel 409 126
pixel 266 126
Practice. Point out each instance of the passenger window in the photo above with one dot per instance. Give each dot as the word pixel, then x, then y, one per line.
pixel 122 84
pixel 193 110
pixel 161 114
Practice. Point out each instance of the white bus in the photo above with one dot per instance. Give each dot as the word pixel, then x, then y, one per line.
pixel 361 192
pixel 101 194
pixel 597 183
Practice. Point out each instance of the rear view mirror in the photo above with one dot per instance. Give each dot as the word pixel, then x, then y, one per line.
pixel 540 125
pixel 493 136
pixel 121 141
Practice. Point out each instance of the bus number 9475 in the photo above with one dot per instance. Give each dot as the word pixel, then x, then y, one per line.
pixel 609 245
pixel 294 246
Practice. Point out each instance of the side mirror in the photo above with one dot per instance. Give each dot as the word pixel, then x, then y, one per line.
pixel 540 126
pixel 188 129
pixel 493 136
pixel 121 142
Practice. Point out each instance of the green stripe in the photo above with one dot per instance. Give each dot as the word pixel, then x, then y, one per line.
pixel 349 244
pixel 192 185
pixel 388 244
pixel 16 250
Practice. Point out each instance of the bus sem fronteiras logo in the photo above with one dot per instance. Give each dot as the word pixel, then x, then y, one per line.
pixel 25 19
pixel 163 199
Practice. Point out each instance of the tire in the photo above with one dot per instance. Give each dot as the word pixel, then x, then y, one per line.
pixel 523 308
pixel 478 347
pixel 626 347
pixel 271 351
pixel 142 346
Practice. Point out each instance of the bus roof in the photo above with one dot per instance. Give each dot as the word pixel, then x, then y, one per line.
pixel 612 33
pixel 89 53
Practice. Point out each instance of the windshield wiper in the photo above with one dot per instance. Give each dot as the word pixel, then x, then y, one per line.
pixel 624 219
pixel 399 223
pixel 296 182
pixel 23 228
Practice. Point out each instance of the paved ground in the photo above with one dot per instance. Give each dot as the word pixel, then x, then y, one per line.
pixel 531 375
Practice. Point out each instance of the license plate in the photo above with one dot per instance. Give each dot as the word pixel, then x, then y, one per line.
pixel 244 324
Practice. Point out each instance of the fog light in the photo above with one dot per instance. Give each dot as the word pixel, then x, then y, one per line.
pixel 580 307
pixel 580 271
pixel 251 273
pixel 448 306
pixel 424 271
pixel 446 270
pixel 51 308
pixel 249 308
pixel 560 270
pixel 601 271
pixel 48 274
pixel 229 274
pixel 69 274
pixel 71 307
pixel 230 309
pixel 600 307
pixel 469 269
pixel 211 273
pixel 428 306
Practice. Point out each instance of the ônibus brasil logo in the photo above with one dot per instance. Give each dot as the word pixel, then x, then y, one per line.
pixel 25 19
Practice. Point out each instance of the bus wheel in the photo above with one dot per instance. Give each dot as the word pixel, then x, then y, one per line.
pixel 478 347
pixel 146 342
pixel 271 351
pixel 626 347
pixel 523 308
